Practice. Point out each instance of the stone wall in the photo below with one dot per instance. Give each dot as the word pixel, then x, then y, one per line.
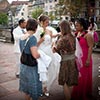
pixel 5 35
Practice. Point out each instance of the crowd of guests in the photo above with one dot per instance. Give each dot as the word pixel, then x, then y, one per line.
pixel 65 55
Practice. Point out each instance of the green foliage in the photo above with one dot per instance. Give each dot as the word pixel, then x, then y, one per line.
pixel 61 2
pixel 51 16
pixel 72 6
pixel 37 12
pixel 3 18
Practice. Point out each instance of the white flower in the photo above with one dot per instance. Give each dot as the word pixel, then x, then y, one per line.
pixel 41 30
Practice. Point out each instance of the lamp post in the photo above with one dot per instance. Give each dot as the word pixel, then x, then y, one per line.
pixel 11 17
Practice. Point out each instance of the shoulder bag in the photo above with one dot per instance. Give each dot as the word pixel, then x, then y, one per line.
pixel 27 59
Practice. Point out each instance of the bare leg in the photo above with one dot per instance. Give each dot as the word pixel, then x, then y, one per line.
pixel 44 85
pixel 70 89
pixel 44 89
pixel 27 97
pixel 67 91
pixel 30 98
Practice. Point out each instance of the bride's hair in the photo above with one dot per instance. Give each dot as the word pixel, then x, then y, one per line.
pixel 43 18
pixel 65 27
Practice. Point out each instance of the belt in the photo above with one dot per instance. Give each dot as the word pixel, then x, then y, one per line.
pixel 68 57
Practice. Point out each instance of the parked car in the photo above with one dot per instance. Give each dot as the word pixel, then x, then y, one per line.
pixel 55 24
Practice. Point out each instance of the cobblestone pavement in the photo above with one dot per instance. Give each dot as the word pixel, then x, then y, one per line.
pixel 9 83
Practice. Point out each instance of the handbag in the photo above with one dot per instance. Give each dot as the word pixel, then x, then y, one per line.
pixel 27 59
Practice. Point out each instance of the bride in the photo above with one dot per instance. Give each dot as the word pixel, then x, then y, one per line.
pixel 45 44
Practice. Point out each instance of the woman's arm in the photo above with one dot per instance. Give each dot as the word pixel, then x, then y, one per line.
pixel 55 35
pixel 34 52
pixel 59 45
pixel 90 43
pixel 51 34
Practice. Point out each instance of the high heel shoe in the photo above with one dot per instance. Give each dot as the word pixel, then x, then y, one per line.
pixel 46 94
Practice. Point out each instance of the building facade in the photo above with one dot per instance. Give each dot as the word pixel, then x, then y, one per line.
pixel 92 9
pixel 97 10
pixel 19 10
pixel 50 6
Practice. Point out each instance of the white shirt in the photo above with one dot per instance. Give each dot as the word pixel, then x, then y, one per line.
pixel 95 26
pixel 18 34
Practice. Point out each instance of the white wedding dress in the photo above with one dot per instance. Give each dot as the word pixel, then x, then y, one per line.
pixel 53 69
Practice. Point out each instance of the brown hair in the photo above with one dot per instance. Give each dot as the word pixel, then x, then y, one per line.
pixel 43 18
pixel 65 27
pixel 21 21
pixel 31 25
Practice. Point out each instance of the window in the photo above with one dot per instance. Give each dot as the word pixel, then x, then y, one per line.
pixel 99 12
pixel 46 7
pixel 50 1
pixel 99 4
pixel 50 6
pixel 22 13
pixel 46 1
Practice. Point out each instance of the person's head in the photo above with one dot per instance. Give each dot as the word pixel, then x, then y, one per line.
pixel 31 25
pixel 71 21
pixel 22 23
pixel 64 27
pixel 81 24
pixel 44 20
pixel 91 20
pixel 91 27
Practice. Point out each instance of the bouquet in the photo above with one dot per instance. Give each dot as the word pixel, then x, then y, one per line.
pixel 42 33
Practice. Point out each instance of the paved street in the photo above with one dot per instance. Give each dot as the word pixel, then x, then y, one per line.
pixel 9 82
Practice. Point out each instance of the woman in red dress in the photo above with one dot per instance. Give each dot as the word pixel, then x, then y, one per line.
pixel 83 91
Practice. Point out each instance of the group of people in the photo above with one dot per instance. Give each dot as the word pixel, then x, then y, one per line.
pixel 73 70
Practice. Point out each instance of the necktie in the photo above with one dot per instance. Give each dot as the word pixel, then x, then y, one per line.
pixel 23 31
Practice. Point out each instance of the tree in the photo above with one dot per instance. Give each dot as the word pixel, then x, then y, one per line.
pixel 71 6
pixel 3 18
pixel 37 12
pixel 51 16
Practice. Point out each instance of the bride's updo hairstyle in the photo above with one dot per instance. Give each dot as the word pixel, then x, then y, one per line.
pixel 43 18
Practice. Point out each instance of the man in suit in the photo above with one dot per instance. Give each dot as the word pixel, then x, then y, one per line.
pixel 18 33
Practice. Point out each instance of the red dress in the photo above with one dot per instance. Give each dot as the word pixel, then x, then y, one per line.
pixel 83 90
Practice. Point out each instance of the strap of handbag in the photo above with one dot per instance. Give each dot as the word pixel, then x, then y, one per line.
pixel 25 44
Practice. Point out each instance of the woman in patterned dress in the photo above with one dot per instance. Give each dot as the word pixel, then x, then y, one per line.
pixel 66 46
